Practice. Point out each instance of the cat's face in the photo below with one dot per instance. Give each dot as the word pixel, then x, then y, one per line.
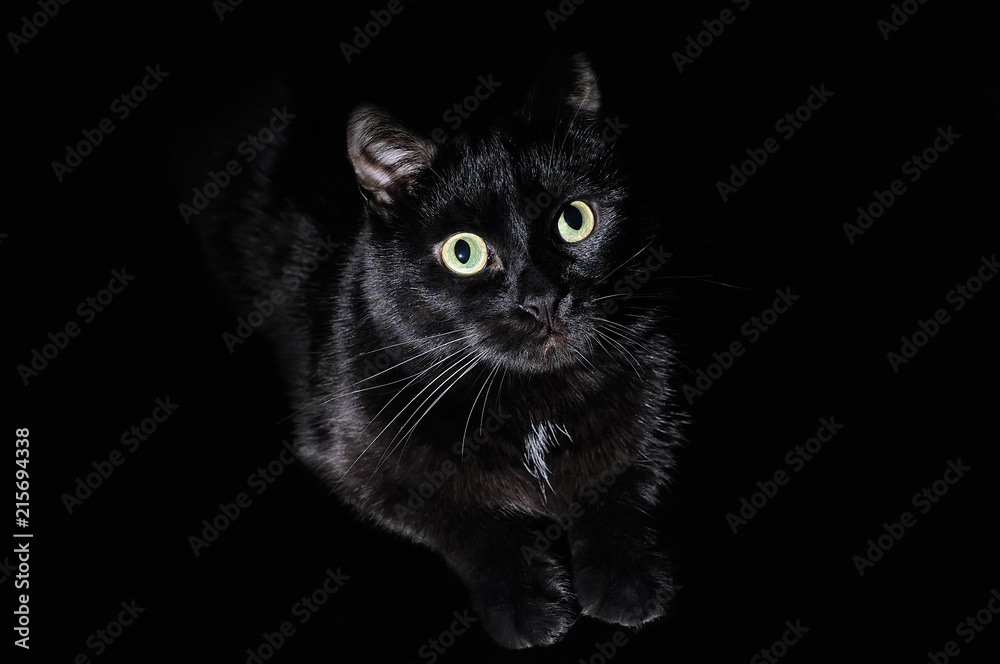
pixel 504 246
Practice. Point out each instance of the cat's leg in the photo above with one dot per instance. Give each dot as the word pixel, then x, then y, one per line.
pixel 524 597
pixel 621 572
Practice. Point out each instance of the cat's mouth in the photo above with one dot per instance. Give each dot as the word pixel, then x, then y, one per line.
pixel 550 347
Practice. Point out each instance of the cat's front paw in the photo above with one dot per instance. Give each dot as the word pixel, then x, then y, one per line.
pixel 630 591
pixel 529 607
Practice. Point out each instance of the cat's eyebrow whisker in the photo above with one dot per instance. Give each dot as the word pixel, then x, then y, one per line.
pixel 577 111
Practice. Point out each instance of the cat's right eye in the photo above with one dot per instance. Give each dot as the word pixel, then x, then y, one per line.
pixel 464 254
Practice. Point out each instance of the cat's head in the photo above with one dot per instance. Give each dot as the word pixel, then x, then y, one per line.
pixel 511 239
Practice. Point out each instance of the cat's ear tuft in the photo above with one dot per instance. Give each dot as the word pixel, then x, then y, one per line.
pixel 387 157
pixel 566 84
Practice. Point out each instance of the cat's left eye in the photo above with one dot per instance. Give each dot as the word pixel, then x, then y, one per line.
pixel 576 222
pixel 464 253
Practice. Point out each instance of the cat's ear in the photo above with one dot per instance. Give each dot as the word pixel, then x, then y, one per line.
pixel 565 86
pixel 387 157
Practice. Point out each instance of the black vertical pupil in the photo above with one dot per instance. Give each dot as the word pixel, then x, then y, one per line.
pixel 463 251
pixel 573 217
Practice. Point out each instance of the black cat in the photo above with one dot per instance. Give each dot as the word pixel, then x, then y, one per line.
pixel 463 372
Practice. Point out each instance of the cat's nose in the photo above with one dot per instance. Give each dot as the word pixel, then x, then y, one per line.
pixel 542 308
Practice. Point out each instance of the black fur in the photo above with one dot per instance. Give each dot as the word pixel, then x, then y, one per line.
pixel 471 413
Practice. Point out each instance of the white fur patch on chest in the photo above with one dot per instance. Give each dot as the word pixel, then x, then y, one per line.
pixel 544 437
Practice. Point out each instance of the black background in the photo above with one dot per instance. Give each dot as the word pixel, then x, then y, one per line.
pixel 783 229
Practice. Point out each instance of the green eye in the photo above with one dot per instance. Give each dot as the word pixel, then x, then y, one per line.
pixel 464 254
pixel 576 222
